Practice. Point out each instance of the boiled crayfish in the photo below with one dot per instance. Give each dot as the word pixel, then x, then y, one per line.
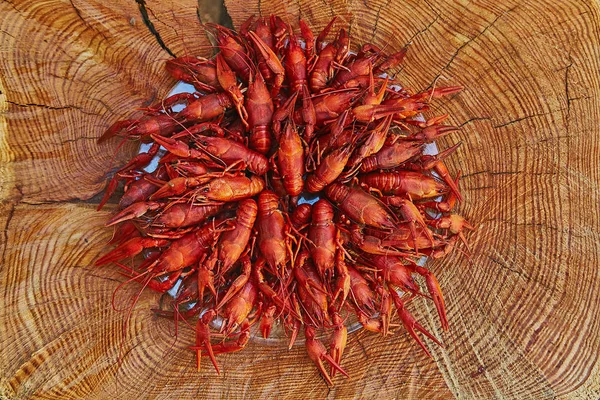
pixel 279 117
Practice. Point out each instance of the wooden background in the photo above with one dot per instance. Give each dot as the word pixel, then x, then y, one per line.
pixel 523 314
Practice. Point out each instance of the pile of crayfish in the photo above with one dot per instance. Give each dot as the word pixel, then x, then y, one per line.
pixel 292 188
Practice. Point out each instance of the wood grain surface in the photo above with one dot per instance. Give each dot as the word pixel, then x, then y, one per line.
pixel 523 310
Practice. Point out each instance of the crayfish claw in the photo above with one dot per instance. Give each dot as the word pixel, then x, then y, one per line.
pixel 130 248
pixel 317 353
pixel 203 339
pixel 133 211
pixel 410 324
pixel 435 291
pixel 115 129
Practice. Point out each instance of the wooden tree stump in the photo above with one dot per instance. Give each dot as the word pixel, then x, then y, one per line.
pixel 523 310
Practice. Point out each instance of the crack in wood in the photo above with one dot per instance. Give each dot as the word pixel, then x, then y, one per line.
pixel 351 26
pixel 502 264
pixel 481 188
pixel 94 201
pixel 474 173
pixel 89 273
pixel 15 8
pixel 374 31
pixel 568 229
pixel 9 216
pixel 330 5
pixel 468 42
pixel 299 9
pixel 151 28
pixel 67 107
pixel 6 33
pixel 362 348
pixel 567 70
pixel 431 7
pixel 164 23
pixel 43 106
pixel 473 120
pixel 86 23
pixel 224 16
pixel 105 105
pixel 62 142
pixel 514 121
pixel 553 138
pixel 122 358
pixel 419 33
pixel 493 173
pixel 584 97
pixel 198 15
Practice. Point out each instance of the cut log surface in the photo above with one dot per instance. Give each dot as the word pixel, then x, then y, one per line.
pixel 523 310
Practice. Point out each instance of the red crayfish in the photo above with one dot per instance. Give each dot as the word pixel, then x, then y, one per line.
pixel 223 226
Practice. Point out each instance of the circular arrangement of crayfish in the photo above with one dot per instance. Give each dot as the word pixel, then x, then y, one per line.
pixel 280 118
